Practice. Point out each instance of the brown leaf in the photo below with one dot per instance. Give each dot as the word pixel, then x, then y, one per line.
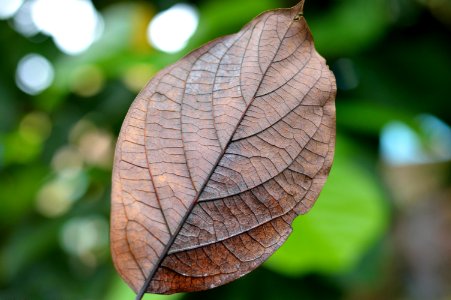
pixel 219 153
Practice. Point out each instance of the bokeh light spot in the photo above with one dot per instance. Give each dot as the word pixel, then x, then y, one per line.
pixel 53 200
pixel 87 81
pixel 97 148
pixel 137 76
pixel 85 238
pixel 35 127
pixel 401 145
pixel 95 145
pixel 170 30
pixel 23 22
pixel 438 135
pixel 9 7
pixel 73 24
pixel 67 158
pixel 34 74
pixel 57 196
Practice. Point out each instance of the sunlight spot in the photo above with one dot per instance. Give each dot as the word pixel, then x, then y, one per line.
pixel 170 30
pixel 34 74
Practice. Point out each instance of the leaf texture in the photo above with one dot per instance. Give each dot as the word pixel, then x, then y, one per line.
pixel 219 153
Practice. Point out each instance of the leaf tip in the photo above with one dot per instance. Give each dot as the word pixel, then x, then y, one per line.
pixel 298 10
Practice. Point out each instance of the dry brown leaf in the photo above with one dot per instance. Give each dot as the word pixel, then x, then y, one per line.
pixel 218 154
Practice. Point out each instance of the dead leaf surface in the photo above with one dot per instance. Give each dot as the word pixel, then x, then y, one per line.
pixel 219 153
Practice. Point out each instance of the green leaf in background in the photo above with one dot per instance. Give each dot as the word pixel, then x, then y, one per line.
pixel 120 291
pixel 370 117
pixel 350 26
pixel 29 180
pixel 28 243
pixel 348 217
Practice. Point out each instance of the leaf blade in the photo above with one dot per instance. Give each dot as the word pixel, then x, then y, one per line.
pixel 219 153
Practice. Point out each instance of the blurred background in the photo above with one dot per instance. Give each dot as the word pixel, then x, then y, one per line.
pixel 69 70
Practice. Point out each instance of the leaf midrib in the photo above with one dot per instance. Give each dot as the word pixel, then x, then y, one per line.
pixel 168 246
